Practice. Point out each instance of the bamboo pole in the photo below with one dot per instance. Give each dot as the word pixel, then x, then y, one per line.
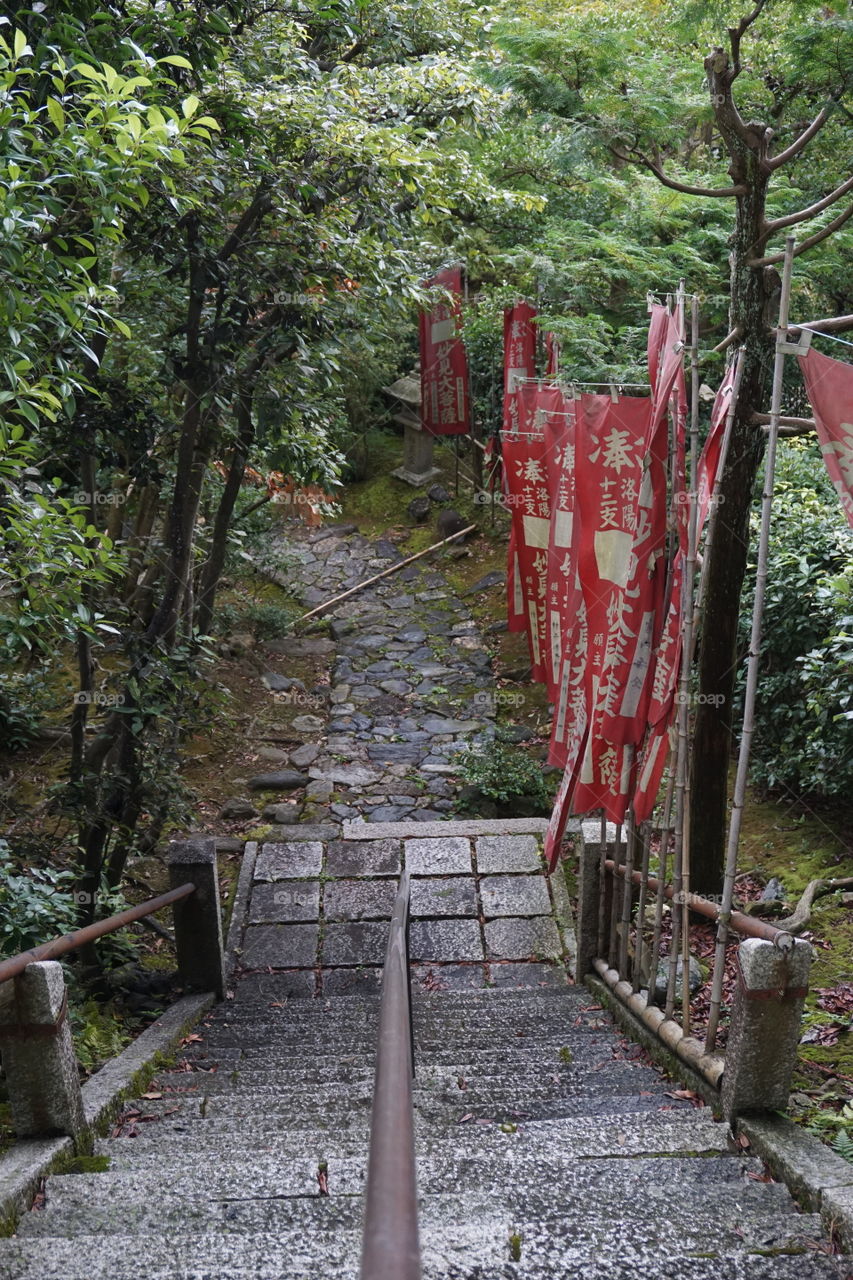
pixel 327 604
pixel 754 654
pixel 687 651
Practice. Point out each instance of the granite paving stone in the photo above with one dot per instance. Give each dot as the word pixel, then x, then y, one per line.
pixel 440 896
pixel 289 860
pixel 279 946
pixel 513 938
pixel 363 857
pixel 359 899
pixel 512 974
pixel 449 977
pixel 514 896
pixel 507 853
pixel 437 857
pixel 356 942
pixel 285 901
pixel 445 940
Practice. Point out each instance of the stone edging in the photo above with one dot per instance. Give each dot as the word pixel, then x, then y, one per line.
pixel 22 1167
pixel 819 1179
pixel 355 830
pixel 239 907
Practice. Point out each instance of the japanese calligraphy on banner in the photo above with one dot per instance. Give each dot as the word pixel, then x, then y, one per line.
pixel 610 470
pixel 445 406
pixel 519 364
pixel 829 384
pixel 519 356
pixel 525 470
pixel 563 583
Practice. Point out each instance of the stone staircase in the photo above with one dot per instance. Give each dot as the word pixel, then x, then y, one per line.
pixel 547 1147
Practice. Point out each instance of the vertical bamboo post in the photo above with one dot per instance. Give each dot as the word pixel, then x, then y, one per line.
pixel 686 655
pixel 754 653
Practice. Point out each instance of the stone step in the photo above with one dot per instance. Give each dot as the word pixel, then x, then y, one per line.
pixel 230 1110
pixel 574 1052
pixel 556 1078
pixel 484 1251
pixel 582 1138
pixel 489 1159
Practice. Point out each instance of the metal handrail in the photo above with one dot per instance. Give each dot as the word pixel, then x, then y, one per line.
pixel 748 926
pixel 390 1249
pixel 16 965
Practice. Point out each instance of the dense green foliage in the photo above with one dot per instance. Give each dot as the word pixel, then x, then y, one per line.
pixel 803 745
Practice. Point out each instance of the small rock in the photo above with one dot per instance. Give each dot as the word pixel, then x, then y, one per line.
pixel 280 684
pixel 284 815
pixel 319 791
pixel 340 693
pixel 773 891
pixel 274 755
pixel 340 628
pixel 283 780
pixel 419 509
pixel 395 686
pixel 304 755
pixel 385 550
pixel 494 627
pixel 450 522
pixel 847 899
pixel 695 980
pixel 308 724
pixel 494 579
pixel 238 809
pixel 334 531
pixel 438 493
pixel 518 675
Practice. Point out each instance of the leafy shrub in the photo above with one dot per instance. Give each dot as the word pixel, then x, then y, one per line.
pixel 34 907
pixel 506 774
pixel 804 739
pixel 98 1034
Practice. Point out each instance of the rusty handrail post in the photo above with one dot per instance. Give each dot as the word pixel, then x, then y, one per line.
pixel 61 946
pixel 390 1249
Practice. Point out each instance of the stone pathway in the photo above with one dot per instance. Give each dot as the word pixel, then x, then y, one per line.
pixel 402 649
pixel 482 913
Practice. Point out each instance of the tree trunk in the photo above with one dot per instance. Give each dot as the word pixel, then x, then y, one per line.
pixel 213 567
pixel 752 291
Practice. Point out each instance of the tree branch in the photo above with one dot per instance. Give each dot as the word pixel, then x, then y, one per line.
pixel 636 157
pixel 803 215
pixel 808 243
pixel 737 33
pixel 836 324
pixel 802 913
pixel 776 162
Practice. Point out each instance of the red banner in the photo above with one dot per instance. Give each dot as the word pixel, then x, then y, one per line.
pixel 829 384
pixel 445 407
pixel 525 468
pixel 519 364
pixel 709 461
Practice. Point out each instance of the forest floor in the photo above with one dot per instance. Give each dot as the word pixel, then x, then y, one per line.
pixel 255 729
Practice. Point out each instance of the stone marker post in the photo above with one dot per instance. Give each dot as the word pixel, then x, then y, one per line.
pixel 765 1028
pixel 589 903
pixel 38 1054
pixel 198 918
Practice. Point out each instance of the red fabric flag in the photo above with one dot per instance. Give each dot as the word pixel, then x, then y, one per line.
pixel 445 405
pixel 559 430
pixel 829 384
pixel 650 772
pixel 519 364
pixel 524 453
pixel 709 461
